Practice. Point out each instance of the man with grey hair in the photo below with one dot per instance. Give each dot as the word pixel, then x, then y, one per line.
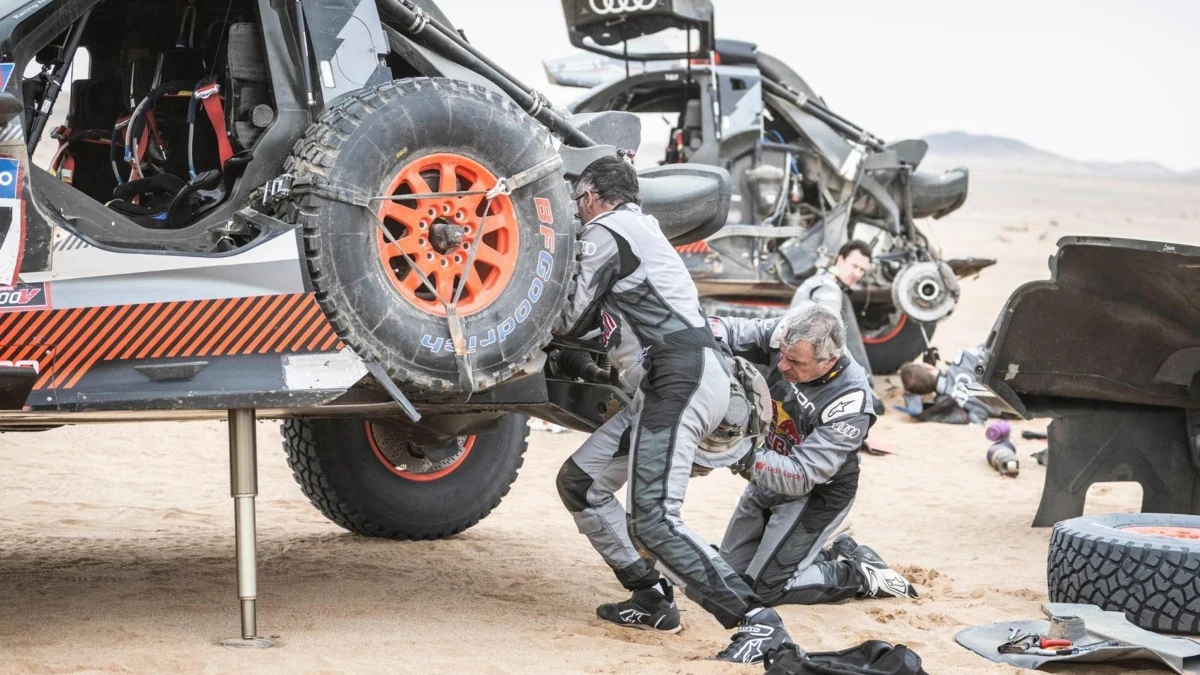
pixel 803 481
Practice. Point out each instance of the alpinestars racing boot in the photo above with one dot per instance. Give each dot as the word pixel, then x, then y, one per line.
pixel 878 580
pixel 760 633
pixel 649 609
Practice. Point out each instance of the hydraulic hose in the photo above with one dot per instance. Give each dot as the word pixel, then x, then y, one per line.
pixel 450 44
pixel 824 114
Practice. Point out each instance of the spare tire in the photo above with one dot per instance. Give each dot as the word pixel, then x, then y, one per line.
pixel 1146 565
pixel 426 136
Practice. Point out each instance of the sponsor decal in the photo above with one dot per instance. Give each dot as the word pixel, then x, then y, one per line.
pixel 783 433
pixel 848 430
pixel 804 400
pixel 621 6
pixel 12 220
pixel 547 238
pixel 587 249
pixel 847 404
pixel 24 297
pixel 545 214
pixel 6 71
pixel 762 467
pixel 502 329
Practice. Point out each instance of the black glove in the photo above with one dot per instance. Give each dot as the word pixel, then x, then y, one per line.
pixel 931 356
pixel 787 659
pixel 744 467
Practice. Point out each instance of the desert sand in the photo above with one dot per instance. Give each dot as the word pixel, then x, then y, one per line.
pixel 116 542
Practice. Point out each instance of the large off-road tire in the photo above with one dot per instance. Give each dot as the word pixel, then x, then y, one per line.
pixel 891 346
pixel 1144 564
pixel 423 136
pixel 367 479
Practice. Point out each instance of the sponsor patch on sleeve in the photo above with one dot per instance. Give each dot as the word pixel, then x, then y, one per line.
pixel 846 404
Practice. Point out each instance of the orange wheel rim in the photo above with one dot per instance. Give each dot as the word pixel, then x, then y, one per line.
pixel 425 474
pixel 1192 533
pixel 434 235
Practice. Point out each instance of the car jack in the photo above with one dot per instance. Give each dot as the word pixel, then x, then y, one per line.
pixel 243 477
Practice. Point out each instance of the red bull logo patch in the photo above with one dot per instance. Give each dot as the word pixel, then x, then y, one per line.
pixel 784 433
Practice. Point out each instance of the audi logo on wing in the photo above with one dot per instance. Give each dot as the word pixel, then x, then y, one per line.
pixel 621 6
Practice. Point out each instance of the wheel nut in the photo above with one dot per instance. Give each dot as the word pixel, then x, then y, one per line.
pixel 445 208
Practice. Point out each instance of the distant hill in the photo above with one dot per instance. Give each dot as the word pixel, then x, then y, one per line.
pixel 1007 154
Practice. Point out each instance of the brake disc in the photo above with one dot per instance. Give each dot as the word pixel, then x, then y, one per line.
pixel 926 291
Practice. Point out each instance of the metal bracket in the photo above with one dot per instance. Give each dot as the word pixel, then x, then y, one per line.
pixel 381 375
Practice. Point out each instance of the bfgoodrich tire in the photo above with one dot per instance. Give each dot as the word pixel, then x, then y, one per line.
pixel 426 136
pixel 1146 565
pixel 365 478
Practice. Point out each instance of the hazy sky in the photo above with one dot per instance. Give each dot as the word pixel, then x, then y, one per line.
pixel 1096 79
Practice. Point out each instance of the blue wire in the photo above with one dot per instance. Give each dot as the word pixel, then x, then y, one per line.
pixel 779 138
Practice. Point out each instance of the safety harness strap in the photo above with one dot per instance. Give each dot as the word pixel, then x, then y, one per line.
pixel 211 100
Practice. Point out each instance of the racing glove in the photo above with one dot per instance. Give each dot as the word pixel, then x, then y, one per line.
pixel 744 467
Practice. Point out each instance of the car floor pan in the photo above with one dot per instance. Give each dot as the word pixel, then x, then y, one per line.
pixel 1119 320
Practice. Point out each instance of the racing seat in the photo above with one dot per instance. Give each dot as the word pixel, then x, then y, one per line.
pixel 82 159
pixel 167 201
pixel 688 136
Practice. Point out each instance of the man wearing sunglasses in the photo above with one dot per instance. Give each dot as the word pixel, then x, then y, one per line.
pixel 633 287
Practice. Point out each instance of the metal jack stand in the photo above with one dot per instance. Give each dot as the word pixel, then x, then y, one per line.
pixel 243 477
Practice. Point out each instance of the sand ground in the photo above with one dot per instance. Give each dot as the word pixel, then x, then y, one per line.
pixel 116 543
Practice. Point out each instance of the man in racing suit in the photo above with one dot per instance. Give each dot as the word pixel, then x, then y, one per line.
pixel 953 402
pixel 634 287
pixel 831 288
pixel 803 481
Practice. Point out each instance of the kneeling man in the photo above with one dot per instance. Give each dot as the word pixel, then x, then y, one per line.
pixel 803 482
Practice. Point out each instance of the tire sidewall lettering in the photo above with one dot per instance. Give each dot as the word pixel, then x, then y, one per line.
pixel 505 327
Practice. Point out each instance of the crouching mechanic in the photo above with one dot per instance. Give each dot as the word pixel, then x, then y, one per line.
pixel 803 481
pixel 634 287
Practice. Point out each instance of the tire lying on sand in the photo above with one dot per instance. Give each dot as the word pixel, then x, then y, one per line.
pixel 368 479
pixel 426 136
pixel 1146 565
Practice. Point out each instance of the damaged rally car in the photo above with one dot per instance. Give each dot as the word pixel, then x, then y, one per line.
pixel 333 212
pixel 805 179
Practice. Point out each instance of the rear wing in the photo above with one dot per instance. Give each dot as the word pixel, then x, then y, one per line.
pixel 601 26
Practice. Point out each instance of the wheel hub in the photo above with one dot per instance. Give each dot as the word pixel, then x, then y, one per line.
pixel 444 236
pixel 413 461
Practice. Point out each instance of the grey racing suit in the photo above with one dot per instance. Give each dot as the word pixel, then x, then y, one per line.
pixel 633 285
pixel 824 288
pixel 958 377
pixel 804 479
